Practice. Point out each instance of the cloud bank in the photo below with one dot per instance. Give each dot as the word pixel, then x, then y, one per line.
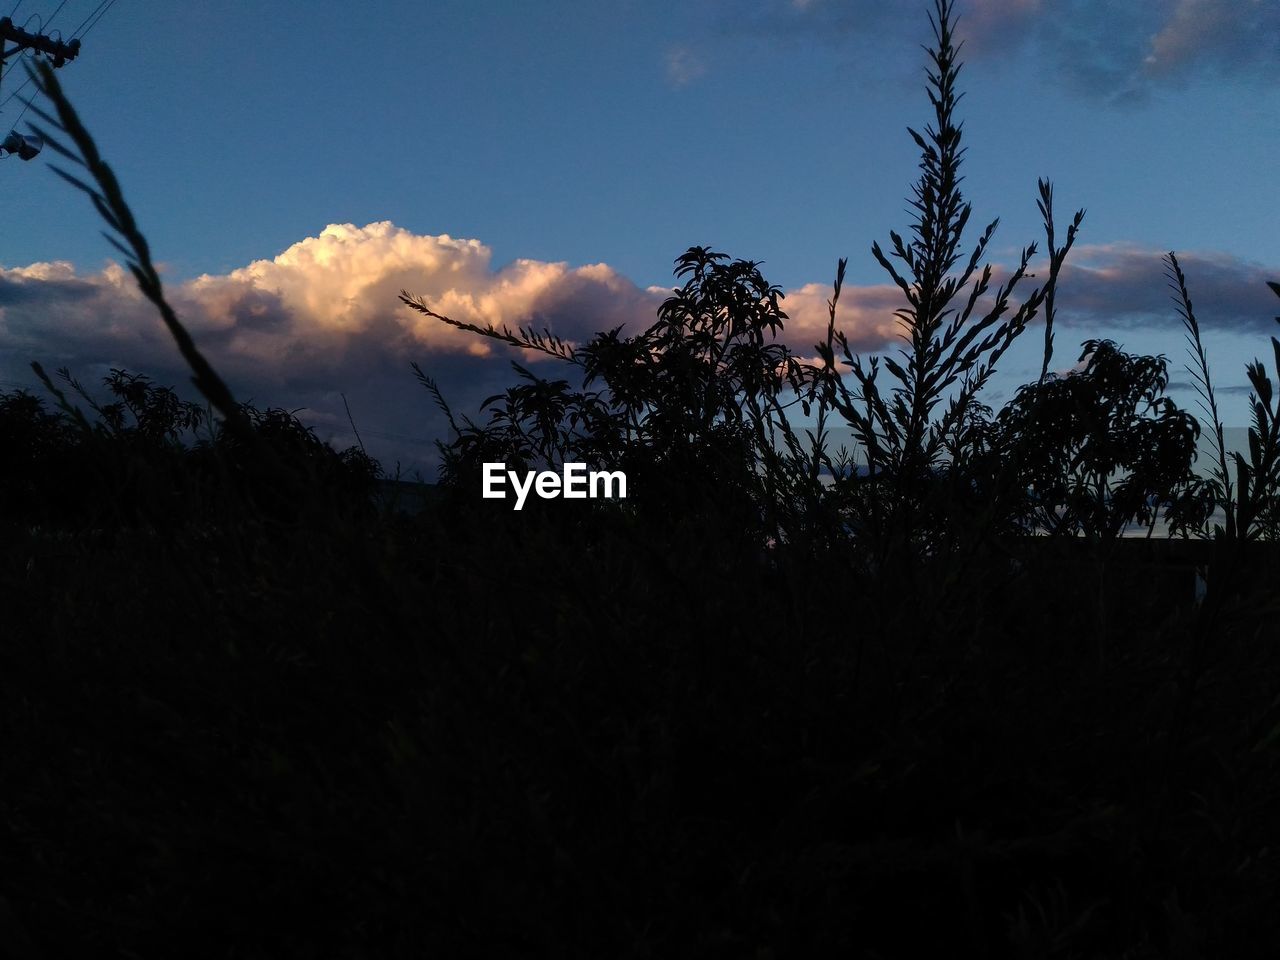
pixel 322 319
pixel 1124 286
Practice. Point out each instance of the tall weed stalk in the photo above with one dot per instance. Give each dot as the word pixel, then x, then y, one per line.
pixel 921 501
pixel 955 327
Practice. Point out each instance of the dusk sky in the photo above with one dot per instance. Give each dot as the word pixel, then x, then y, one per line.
pixel 294 165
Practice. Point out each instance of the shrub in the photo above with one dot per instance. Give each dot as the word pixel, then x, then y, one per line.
pixel 1098 449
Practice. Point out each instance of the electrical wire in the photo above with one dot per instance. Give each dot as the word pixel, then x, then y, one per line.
pixel 26 103
pixel 109 5
pixel 15 93
pixel 45 25
pixel 76 33
pixel 15 9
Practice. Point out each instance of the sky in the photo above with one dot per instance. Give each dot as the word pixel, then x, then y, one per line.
pixel 294 166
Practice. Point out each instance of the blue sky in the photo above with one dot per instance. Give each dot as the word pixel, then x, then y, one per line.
pixel 294 165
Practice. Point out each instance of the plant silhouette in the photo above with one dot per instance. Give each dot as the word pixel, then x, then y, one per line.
pixel 1101 448
pixel 694 407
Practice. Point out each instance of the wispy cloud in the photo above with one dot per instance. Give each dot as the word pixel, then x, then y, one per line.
pixel 1122 52
pixel 1236 37
pixel 1118 52
pixel 989 27
pixel 683 66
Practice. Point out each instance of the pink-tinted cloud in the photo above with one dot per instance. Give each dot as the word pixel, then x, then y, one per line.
pixel 327 290
pixel 864 314
pixel 1229 34
pixel 320 319
pixel 988 27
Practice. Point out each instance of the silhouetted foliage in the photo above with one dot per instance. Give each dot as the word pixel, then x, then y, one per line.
pixel 1099 449
pixel 693 408
pixel 149 458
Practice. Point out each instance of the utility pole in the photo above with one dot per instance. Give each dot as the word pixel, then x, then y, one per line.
pixel 57 50
pixel 60 52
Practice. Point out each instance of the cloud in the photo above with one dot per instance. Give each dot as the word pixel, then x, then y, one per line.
pixel 1236 389
pixel 1125 286
pixel 987 27
pixel 865 315
pixel 336 286
pixel 1119 52
pixel 1102 287
pixel 319 320
pixel 322 319
pixel 1236 37
pixel 683 66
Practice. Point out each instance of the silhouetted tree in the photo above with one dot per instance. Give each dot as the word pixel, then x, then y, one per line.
pixel 1098 449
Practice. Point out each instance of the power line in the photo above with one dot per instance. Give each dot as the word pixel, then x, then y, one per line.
pixel 110 4
pixel 23 113
pixel 89 17
pixel 15 93
pixel 45 25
